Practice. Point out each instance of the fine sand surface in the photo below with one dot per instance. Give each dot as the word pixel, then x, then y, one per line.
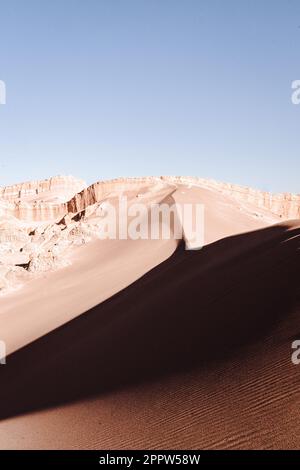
pixel 142 344
pixel 101 268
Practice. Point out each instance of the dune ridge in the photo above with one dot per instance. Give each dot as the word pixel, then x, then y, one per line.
pixel 169 345
pixel 40 230
pixel 124 343
pixel 52 198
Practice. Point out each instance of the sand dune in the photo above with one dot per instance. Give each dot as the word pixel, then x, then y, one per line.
pixel 86 271
pixel 142 344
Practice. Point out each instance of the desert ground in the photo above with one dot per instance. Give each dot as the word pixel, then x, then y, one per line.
pixel 142 343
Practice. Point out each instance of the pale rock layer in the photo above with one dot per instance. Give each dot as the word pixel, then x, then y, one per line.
pixel 40 220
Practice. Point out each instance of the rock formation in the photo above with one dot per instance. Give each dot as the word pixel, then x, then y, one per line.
pixel 39 220
pixel 51 199
pixel 285 205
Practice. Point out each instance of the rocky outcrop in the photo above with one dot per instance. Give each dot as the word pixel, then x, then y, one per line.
pixel 39 200
pixel 58 187
pixel 40 220
pixel 52 199
pixel 285 205
pixel 36 235
pixel 113 188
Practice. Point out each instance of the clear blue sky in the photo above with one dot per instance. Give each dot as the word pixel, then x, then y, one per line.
pixel 107 88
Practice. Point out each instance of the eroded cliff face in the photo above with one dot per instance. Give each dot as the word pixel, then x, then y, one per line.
pixel 38 223
pixel 39 200
pixel 49 200
pixel 58 187
pixel 39 220
pixel 285 205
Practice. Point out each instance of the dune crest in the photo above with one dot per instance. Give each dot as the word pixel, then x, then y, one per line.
pixel 41 220
pixel 93 315
pixel 46 200
pixel 198 348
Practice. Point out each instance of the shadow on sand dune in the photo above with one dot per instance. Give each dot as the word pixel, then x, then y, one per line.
pixel 192 308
